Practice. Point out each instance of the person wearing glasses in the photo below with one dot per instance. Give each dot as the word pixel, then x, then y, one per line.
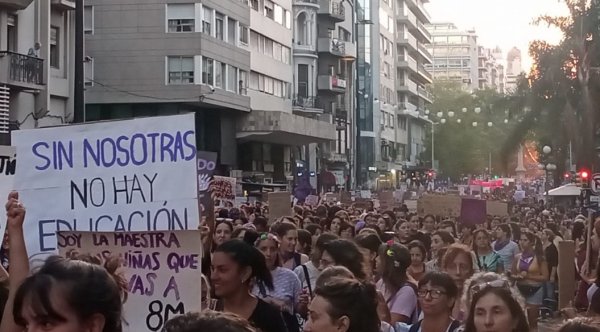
pixel 494 308
pixel 437 293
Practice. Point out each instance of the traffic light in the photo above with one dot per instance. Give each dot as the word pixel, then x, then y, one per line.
pixel 583 178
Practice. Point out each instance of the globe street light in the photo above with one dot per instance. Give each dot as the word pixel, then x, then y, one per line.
pixel 489 124
pixel 442 121
pixel 551 167
pixel 477 110
pixel 450 114
pixel 440 114
pixel 474 124
pixel 505 120
pixel 458 121
pixel 546 149
pixel 427 112
pixel 464 110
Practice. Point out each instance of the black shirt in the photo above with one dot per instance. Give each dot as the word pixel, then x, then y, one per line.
pixel 267 318
pixel 551 254
pixel 425 239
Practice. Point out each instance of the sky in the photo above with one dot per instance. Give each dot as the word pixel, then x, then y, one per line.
pixel 505 23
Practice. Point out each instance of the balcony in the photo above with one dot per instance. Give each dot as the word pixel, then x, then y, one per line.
pixel 332 46
pixel 407 86
pixel 63 4
pixel 306 104
pixel 331 83
pixel 334 10
pixel 424 32
pixel 407 63
pixel 21 71
pixel 341 113
pixel 407 106
pixel 427 57
pixel 417 7
pixel 423 93
pixel 424 74
pixel 407 18
pixel 15 4
pixel 311 3
pixel 408 40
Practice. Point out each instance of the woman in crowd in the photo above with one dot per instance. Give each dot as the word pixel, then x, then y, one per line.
pixel 344 253
pixel 286 292
pixel 368 243
pixel 304 245
pixel 437 294
pixel 236 266
pixel 531 272
pixel 397 287
pixel 343 305
pixel 493 308
pixel 578 325
pixel 466 235
pixel 551 256
pixel 440 240
pixel 428 224
pixel 487 259
pixel 288 234
pixel 401 228
pixel 458 262
pixel 208 321
pixel 309 272
pixel 334 225
pixel 68 295
pixel 504 246
pixel 418 254
pixel 346 231
pixel 489 279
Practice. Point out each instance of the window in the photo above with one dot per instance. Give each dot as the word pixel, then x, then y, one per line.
pixel 254 4
pixel 88 69
pixel 244 34
pixel 288 20
pixel 181 70
pixel 219 25
pixel 207 71
pixel 54 47
pixel 254 81
pixel 232 82
pixel 277 51
pixel 180 17
pixel 220 74
pixel 278 14
pixel 88 20
pixel 243 83
pixel 207 20
pixel 11 33
pixel 268 47
pixel 285 55
pixel 254 41
pixel 231 30
pixel 268 9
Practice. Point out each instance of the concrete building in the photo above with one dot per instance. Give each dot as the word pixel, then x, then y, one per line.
pixel 455 55
pixel 392 95
pixel 514 68
pixel 491 69
pixel 229 62
pixel 36 64
pixel 324 50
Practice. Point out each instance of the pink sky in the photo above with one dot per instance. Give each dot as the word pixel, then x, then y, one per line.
pixel 501 23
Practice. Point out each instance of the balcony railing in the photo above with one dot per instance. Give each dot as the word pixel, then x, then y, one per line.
pixel 337 9
pixel 314 2
pixel 305 102
pixel 24 68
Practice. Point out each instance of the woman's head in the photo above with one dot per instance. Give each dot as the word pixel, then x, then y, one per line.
pixel 392 262
pixel 440 240
pixel 346 231
pixel 235 264
pixel 402 229
pixel 334 225
pixel 437 294
pixel 304 242
pixel 547 235
pixel 345 253
pixel 503 232
pixel 418 253
pixel 529 242
pixel 578 325
pixel 287 234
pixel 482 240
pixel 488 279
pixel 343 305
pixel 70 296
pixel 208 321
pixel 223 231
pixel 429 223
pixel 458 263
pixel 268 244
pixel 495 309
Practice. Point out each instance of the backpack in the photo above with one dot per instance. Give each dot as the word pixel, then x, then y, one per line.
pixel 453 326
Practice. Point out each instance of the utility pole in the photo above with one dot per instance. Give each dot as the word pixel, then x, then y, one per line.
pixel 78 98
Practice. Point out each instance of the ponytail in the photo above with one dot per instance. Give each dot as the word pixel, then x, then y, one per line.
pixel 245 255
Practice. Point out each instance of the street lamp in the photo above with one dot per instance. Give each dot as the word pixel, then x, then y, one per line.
pixel 464 110
pixel 440 114
pixel 546 149
pixel 505 120
pixel 477 110
pixel 442 121
pixel 458 120
pixel 474 124
pixel 547 167
pixel 489 124
pixel 450 114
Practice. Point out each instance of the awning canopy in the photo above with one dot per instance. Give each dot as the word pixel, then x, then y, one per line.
pixel 566 190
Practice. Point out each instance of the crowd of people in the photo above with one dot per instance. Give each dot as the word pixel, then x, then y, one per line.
pixel 330 268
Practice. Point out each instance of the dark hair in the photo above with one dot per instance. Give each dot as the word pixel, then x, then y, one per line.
pixel 245 255
pixel 346 253
pixel 305 239
pixel 250 235
pixel 578 325
pixel 261 221
pixel 208 320
pixel 442 280
pixel 482 231
pixel 505 294
pixel 448 223
pixel 282 228
pixel 516 231
pixel 222 222
pixel 506 229
pixel 324 239
pixel 354 299
pixel 418 244
pixel 344 226
pixel 395 260
pixel 536 245
pixel 368 241
pixel 578 231
pixel 445 236
pixel 312 228
pixel 87 288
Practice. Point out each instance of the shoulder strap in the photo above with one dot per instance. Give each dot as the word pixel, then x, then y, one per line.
pixel 415 327
pixel 307 279
pixel 454 325
pixel 297 259
pixel 261 289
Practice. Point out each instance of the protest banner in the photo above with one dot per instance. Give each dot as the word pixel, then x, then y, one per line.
pixel 312 200
pixel 386 200
pixel 439 205
pixel 331 197
pixel 130 175
pixel 223 188
pixel 411 204
pixel 8 164
pixel 162 270
pixel 472 211
pixel 279 205
pixel 345 198
pixel 495 208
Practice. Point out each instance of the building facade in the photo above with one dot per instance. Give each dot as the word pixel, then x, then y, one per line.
pixel 491 69
pixel 228 62
pixel 36 64
pixel 514 68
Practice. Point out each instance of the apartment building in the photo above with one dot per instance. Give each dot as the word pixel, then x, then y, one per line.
pixel 36 64
pixel 514 68
pixel 491 69
pixel 455 55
